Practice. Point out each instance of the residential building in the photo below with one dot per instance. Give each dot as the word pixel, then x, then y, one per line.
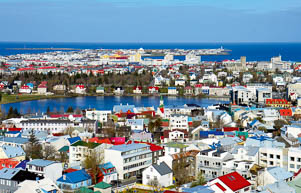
pixel 230 183
pixel 99 115
pixel 161 173
pixel 172 91
pixel 178 121
pixel 11 177
pixel 130 160
pixel 40 185
pixel 74 180
pixel 210 162
pixel 48 169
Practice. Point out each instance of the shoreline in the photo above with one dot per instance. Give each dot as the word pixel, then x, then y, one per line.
pixel 33 97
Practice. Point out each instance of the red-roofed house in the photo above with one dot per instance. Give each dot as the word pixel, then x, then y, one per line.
pixel 42 89
pixel 198 89
pixel 80 89
pixel 277 103
pixel 153 90
pixel 25 89
pixel 137 90
pixel 286 112
pixel 232 182
pixel 8 163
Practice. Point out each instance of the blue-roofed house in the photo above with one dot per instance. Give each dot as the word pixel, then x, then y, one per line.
pixel 40 135
pixel 172 91
pixel 280 187
pixel 272 175
pixel 108 171
pixel 11 177
pixel 199 189
pixel 135 124
pixel 121 156
pixel 74 180
pixel 12 134
pixel 123 108
pixel 46 168
pixel 73 140
pixel 15 152
pixel 14 141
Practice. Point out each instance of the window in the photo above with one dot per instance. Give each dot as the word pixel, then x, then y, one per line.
pixel 278 156
pixel 147 177
pixel 155 178
pixel 292 165
pixel 271 156
pixel 292 158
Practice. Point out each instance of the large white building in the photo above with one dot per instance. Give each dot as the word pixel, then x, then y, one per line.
pixel 130 160
pixel 178 121
pixel 57 125
pixel 101 116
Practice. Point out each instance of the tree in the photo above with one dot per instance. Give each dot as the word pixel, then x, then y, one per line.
pixel 49 152
pixel 70 110
pixel 48 110
pixel 91 164
pixel 200 180
pixel 33 149
pixel 155 185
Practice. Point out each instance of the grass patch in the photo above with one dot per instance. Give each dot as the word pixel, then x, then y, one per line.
pixel 24 97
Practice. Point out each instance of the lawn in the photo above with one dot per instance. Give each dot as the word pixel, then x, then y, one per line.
pixel 24 97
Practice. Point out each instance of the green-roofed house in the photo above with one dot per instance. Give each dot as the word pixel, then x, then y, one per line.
pixel 80 149
pixel 103 187
pixel 173 147
pixel 296 184
pixel 85 190
pixel 100 90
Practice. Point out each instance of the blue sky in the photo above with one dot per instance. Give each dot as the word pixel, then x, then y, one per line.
pixel 150 20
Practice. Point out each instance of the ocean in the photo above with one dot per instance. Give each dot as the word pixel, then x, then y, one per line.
pixel 253 51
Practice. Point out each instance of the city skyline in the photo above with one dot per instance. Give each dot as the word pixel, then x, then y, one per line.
pixel 150 21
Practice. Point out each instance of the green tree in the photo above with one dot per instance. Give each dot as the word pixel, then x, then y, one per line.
pixel 200 180
pixel 33 149
pixel 70 110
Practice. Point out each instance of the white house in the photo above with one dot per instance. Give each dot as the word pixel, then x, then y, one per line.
pixel 137 90
pixel 230 183
pixel 34 186
pixel 25 89
pixel 158 173
pixel 49 169
pixel 180 82
pixel 129 159
pixel 172 91
pixel 271 175
pixel 178 121
pixel 80 89
pixel 135 124
pixel 99 115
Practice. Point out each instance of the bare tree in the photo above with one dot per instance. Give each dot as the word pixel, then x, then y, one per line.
pixel 92 162
pixel 49 152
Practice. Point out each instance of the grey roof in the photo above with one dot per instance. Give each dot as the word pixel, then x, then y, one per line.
pixel 8 173
pixel 18 140
pixel 163 168
pixel 40 162
pixel 279 173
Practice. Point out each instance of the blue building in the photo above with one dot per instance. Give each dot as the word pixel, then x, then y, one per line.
pixel 74 180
